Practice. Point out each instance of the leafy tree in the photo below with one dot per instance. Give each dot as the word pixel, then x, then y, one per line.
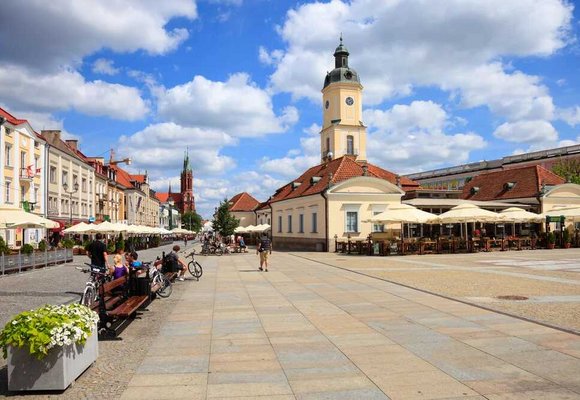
pixel 4 249
pixel 191 221
pixel 223 221
pixel 568 169
pixel 120 243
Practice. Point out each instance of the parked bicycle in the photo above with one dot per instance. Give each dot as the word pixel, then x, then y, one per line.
pixel 90 294
pixel 157 278
pixel 194 267
pixel 211 248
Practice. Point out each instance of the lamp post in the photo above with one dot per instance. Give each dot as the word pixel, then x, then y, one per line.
pixel 170 203
pixel 75 189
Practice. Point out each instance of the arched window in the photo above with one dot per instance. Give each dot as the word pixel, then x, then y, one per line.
pixel 350 145
pixel 327 145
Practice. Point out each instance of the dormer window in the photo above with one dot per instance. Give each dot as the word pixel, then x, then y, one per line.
pixel 295 185
pixel 314 180
pixel 509 185
pixel 474 190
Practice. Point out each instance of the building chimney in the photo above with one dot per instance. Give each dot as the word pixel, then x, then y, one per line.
pixel 51 135
pixel 72 143
pixel 398 178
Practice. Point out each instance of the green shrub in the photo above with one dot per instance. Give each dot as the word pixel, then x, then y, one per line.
pixel 566 236
pixel 120 244
pixel 551 237
pixel 4 249
pixel 68 243
pixel 47 327
pixel 27 249
pixel 111 247
pixel 42 245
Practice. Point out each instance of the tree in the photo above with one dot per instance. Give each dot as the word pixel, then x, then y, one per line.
pixel 191 221
pixel 568 169
pixel 223 221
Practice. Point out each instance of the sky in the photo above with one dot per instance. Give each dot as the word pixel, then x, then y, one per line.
pixel 237 82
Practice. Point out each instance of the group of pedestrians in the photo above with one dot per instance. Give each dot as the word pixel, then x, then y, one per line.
pixel 97 251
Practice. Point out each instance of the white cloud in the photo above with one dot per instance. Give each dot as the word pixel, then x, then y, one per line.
pixel 67 89
pixel 60 34
pixel 296 161
pixel 237 106
pixel 408 138
pixel 104 66
pixel 536 131
pixel 570 115
pixel 456 45
pixel 160 147
pixel 42 121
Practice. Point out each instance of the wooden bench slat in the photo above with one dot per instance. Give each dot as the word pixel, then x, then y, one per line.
pixel 108 286
pixel 129 306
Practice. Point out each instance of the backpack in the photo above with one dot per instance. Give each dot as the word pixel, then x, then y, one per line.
pixel 170 263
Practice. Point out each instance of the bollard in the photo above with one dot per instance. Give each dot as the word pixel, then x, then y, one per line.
pixel 19 262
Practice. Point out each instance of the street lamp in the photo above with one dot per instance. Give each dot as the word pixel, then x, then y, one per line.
pixel 75 189
pixel 170 203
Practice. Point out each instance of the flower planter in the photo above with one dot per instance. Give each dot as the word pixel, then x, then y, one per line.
pixel 551 245
pixel 56 371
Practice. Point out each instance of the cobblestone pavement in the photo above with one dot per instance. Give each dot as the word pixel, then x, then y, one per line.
pixel 549 279
pixel 117 359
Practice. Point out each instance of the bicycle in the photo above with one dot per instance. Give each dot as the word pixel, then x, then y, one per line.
pixel 91 292
pixel 194 267
pixel 157 278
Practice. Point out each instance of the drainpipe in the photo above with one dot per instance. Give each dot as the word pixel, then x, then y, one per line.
pixel 323 194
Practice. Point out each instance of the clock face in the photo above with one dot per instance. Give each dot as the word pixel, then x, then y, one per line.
pixel 349 101
pixel 326 104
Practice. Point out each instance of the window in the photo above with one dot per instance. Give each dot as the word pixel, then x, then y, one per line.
pixel 8 153
pixel 290 224
pixel 314 222
pixel 22 194
pixel 378 227
pixel 64 177
pixel 280 224
pixel 268 221
pixel 75 179
pixel 23 160
pixel 327 145
pixel 352 221
pixel 8 185
pixel 350 144
pixel 36 163
pixel 84 185
pixel 301 223
pixel 52 174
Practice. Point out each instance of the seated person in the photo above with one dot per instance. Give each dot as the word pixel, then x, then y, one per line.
pixel 174 261
pixel 118 270
pixel 132 260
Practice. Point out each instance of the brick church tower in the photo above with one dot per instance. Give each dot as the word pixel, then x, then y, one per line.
pixel 187 199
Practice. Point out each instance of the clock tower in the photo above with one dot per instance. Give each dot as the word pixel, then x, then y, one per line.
pixel 343 132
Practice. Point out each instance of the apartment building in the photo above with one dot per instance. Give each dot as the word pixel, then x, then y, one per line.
pixel 22 174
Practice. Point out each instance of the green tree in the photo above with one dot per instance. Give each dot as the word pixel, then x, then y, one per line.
pixel 568 169
pixel 191 221
pixel 223 221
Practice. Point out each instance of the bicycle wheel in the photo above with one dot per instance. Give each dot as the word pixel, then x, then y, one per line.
pixel 88 297
pixel 166 288
pixel 195 269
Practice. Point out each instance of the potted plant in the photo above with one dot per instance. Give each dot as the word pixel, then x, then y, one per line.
pixel 27 249
pixel 48 348
pixel 42 245
pixel 566 238
pixel 551 239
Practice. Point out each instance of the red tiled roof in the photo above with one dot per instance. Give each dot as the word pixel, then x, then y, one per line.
pixel 11 118
pixel 263 205
pixel 123 177
pixel 139 178
pixel 335 171
pixel 164 197
pixel 527 183
pixel 243 202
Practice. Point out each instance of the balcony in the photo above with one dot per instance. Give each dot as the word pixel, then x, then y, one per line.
pixel 27 174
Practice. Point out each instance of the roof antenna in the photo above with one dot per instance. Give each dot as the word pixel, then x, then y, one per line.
pixel 340 37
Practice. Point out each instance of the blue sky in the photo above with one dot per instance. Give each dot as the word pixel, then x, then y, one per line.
pixel 238 81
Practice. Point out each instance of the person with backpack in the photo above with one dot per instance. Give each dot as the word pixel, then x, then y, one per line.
pixel 177 264
pixel 264 250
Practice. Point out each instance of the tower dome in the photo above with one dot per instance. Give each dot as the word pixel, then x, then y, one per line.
pixel 341 72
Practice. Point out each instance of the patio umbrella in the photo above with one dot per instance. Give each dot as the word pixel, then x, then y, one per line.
pixel 468 212
pixel 402 213
pixel 261 228
pixel 179 231
pixel 516 214
pixel 79 228
pixel 571 213
pixel 12 217
pixel 108 227
pixel 240 229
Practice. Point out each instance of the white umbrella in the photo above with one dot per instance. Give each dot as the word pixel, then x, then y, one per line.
pixel 240 229
pixel 403 213
pixel 179 231
pixel 250 228
pixel 79 228
pixel 107 227
pixel 12 217
pixel 469 213
pixel 571 213
pixel 516 214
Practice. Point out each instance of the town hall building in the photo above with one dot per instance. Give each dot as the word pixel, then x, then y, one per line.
pixel 331 200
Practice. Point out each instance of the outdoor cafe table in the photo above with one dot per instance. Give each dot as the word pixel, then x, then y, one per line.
pixel 427 246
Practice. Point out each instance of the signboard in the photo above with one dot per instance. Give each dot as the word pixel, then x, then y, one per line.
pixel 550 218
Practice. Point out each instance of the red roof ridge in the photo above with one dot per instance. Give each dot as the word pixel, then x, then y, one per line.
pixel 540 169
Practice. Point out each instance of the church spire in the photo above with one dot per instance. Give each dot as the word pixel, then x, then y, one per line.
pixel 341 55
pixel 186 165
pixel 169 191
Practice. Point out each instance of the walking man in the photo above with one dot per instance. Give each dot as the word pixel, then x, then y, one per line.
pixel 97 251
pixel 264 249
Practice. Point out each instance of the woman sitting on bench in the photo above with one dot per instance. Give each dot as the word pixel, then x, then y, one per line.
pixel 119 270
